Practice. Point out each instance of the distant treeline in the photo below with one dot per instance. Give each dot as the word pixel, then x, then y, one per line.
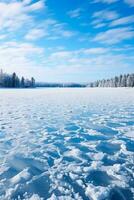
pixel 126 80
pixel 40 84
pixel 13 81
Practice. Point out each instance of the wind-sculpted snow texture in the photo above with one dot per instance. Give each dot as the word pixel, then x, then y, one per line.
pixel 65 144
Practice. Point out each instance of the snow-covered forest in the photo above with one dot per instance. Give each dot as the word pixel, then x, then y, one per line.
pixel 13 81
pixel 126 80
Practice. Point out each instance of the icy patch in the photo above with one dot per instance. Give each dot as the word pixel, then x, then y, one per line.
pixel 128 131
pixel 97 193
pixel 22 176
pixel 130 134
pixel 76 153
pixel 35 197
pixel 93 132
pixel 96 156
pixel 67 144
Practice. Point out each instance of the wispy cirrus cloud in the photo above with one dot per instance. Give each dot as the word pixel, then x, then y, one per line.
pixel 129 2
pixel 74 13
pixel 114 36
pixel 105 1
pixel 35 34
pixel 97 24
pixel 110 18
pixel 14 14
pixel 102 17
pixel 59 30
pixel 19 57
pixel 106 14
pixel 123 21
pixel 86 61
pixel 64 65
pixel 96 51
pixel 78 54
pixel 50 29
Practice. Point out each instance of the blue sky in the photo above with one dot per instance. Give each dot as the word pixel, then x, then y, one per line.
pixel 67 40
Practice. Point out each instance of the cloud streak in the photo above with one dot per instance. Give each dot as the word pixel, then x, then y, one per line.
pixel 14 14
pixel 74 13
pixel 123 21
pixel 105 1
pixel 129 2
pixel 114 36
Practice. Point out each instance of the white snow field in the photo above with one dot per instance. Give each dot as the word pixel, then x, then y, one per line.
pixel 67 144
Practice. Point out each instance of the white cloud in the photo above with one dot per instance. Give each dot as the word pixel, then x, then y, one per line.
pixel 129 2
pixel 35 6
pixel 84 53
pixel 61 55
pixel 60 65
pixel 26 2
pixel 15 14
pixel 2 36
pixel 105 1
pixel 67 33
pixel 58 30
pixel 85 62
pixel 106 15
pixel 35 34
pixel 114 36
pixel 102 17
pixel 100 25
pixel 51 30
pixel 97 50
pixel 19 57
pixel 74 13
pixel 123 21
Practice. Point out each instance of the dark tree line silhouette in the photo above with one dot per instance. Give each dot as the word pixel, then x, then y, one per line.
pixel 126 80
pixel 13 81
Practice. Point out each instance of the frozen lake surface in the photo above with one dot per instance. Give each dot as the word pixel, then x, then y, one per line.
pixel 65 144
